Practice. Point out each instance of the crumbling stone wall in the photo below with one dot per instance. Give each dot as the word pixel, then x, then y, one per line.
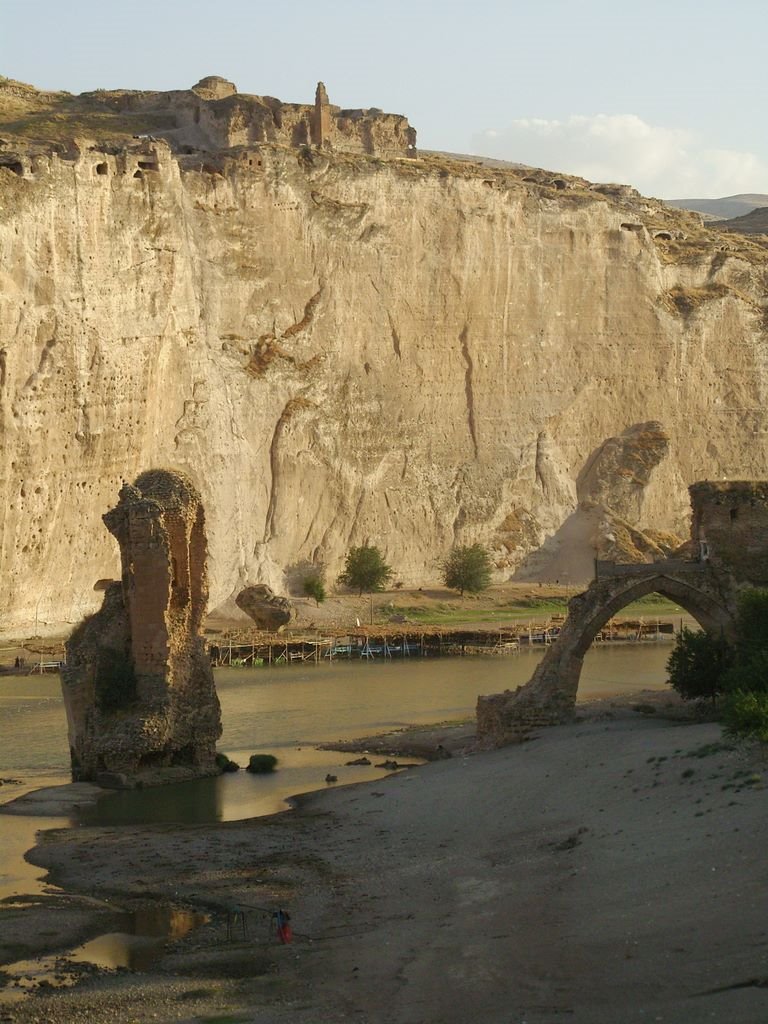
pixel 138 685
pixel 213 115
pixel 730 526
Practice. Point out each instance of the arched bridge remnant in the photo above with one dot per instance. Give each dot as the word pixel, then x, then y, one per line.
pixel 729 551
pixel 138 685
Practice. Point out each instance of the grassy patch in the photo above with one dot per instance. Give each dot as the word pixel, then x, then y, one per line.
pixel 651 605
pixel 455 614
pixel 447 613
pixel 50 125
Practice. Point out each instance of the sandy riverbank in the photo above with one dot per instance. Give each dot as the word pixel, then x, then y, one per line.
pixel 608 871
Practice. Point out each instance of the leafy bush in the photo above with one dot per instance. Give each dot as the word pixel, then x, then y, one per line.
pixel 698 663
pixel 314 587
pixel 746 714
pixel 749 672
pixel 467 569
pixel 365 570
pixel 752 620
pixel 225 764
pixel 704 666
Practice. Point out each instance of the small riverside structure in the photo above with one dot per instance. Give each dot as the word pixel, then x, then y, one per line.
pixel 248 648
pixel 728 553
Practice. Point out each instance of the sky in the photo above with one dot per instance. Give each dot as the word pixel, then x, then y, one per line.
pixel 666 95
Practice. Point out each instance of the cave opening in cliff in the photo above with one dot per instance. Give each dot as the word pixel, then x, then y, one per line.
pixel 102 169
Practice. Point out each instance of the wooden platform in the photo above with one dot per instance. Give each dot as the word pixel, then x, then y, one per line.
pixel 246 648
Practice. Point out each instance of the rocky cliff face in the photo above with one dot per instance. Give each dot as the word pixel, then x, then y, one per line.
pixel 337 348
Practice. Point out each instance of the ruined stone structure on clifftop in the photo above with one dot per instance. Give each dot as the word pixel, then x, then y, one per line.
pixel 729 544
pixel 138 685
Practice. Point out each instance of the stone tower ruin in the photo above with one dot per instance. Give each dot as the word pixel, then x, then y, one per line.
pixel 138 685
pixel 321 121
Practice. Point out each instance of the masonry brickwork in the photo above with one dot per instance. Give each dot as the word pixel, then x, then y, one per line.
pixel 213 116
pixel 730 527
pixel 138 685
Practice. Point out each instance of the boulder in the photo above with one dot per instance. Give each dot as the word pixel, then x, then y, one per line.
pixel 266 609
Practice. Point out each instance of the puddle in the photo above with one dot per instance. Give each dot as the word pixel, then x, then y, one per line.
pixel 136 946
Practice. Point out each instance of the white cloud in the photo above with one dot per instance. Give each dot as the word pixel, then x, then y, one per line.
pixel 665 162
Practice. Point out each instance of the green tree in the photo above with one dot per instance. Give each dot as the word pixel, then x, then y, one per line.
pixel 702 665
pixel 467 569
pixel 314 587
pixel 698 663
pixel 365 570
pixel 745 713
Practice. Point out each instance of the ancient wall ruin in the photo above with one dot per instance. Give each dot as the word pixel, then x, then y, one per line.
pixel 729 535
pixel 138 685
pixel 213 116
pixel 730 526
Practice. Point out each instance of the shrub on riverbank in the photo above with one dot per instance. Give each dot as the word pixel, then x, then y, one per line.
pixel 746 714
pixel 698 664
pixel 704 666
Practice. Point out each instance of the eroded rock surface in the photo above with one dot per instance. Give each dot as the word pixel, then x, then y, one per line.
pixel 138 685
pixel 622 485
pixel 340 349
pixel 266 609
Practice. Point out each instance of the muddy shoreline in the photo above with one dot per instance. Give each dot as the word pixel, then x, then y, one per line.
pixel 606 870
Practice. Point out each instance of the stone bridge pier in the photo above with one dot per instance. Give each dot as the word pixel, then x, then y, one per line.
pixel 707 593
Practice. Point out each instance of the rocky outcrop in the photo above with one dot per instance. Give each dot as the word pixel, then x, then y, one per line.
pixel 266 609
pixel 415 353
pixel 138 687
pixel 614 490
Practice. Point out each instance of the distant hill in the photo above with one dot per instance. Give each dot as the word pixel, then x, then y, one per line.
pixel 722 209
pixel 754 223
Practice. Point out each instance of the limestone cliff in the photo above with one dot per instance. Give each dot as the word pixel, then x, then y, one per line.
pixel 338 348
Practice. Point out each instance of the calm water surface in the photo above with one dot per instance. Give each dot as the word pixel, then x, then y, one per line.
pixel 284 711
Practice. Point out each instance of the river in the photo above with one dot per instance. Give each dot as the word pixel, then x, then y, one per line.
pixel 283 711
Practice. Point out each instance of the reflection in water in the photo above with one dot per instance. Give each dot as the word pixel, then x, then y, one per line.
pixel 231 797
pixel 282 711
pixel 142 936
pixel 137 946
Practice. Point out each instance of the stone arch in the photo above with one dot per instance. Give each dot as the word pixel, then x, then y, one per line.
pixel 558 674
pixel 708 612
pixel 550 695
